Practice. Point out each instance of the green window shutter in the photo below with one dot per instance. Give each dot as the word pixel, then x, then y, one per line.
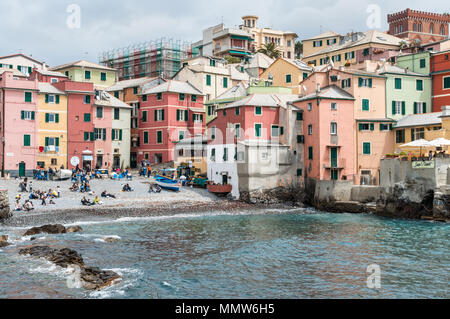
pixel 398 84
pixel 145 137
pixel 310 152
pixel 237 110
pixel 116 113
pixel 57 99
pixel 257 130
pixel 447 82
pixel 360 82
pixel 178 115
pixel 159 96
pixel 19 68
pixel 225 82
pixel 194 98
pixel 299 116
pixel 120 134
pixel 393 107
pixel 26 140
pixel 415 107
pixel 46 141
pixel 159 136
pixel 91 136
pixel 365 105
pixel 201 118
pixel 422 63
pixel 156 114
pixel 403 108
pixel 57 118
pixel 87 117
pixel 281 130
pixel 208 79
pixel 22 115
pixel 258 110
pixel 419 85
pixel 370 82
pixel 144 116
pixel 381 127
pixel 104 134
pixel 144 98
pixel 371 126
pixel 162 114
pixel 360 127
pixel 28 96
pixel 424 107
pixel 113 134
pixel 47 117
pixel 86 136
pixel 46 98
pixel 32 115
pixel 288 78
pixel 366 148
pixel 186 115
pixel 57 141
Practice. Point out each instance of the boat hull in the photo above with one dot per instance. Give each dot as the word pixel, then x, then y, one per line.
pixel 168 183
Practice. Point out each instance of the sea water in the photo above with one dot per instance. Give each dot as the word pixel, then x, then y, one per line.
pixel 218 255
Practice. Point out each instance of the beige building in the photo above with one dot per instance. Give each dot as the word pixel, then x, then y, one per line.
pixel 319 42
pixel 22 63
pixel 284 40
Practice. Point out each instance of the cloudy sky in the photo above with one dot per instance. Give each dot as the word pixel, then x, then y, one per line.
pixel 48 31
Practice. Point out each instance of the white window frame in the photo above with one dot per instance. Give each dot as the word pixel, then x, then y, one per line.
pixel 237 130
pixel 182 115
pixel 333 125
pixel 159 115
pixel 335 106
pixel 398 107
pixel 309 106
pixel 51 99
pixel 50 119
pixel 443 81
pixel 197 118
pixel 278 130
pixel 27 115
pixel 116 134
pixel 419 108
pixel 310 129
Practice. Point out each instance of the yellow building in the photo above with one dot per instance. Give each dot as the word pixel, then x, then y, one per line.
pixel 52 127
pixel 284 40
pixel 353 48
pixel 191 153
pixel 428 126
pixel 287 73
pixel 319 42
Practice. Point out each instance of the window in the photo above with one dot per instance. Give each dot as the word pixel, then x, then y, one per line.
pixel 310 153
pixel 364 126
pixel 103 77
pixel 225 154
pixel 54 80
pixel 420 107
pixel 333 128
pixel 398 84
pixel 197 118
pixel 145 137
pixel 87 99
pixel 87 117
pixel 384 127
pixel 365 104
pixel 144 116
pixel 99 112
pixel 87 75
pixel 334 106
pixel 51 141
pixel 288 43
pixel 224 112
pixel 398 107
pixel 26 140
pixel 212 62
pixel 182 115
pixel 213 154
pixel 423 63
pixel 159 115
pixel 27 115
pixel 181 97
pixel 288 78
pixel 305 75
pixel 258 130
pixel 258 110
pixel 213 132
pixel 116 113
pixel 365 82
pixel 310 129
pixel 237 130
pixel 100 134
pixel 159 137
pixel 346 83
pixel 417 133
pixel 237 110
pixel 194 98
pixel 225 82
pixel 275 132
pixel 299 116
pixel 317 43
pixel 419 85
pixel 446 81
pixel 208 80
pixel 350 55
pixel 180 135
pixel 28 96
pixel 366 148
pixel 400 136
pixel 52 118
pixel 309 106
pixel 159 96
pixel 116 95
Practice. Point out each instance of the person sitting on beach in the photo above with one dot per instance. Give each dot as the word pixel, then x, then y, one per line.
pixel 104 194
pixel 23 187
pixel 97 201
pixel 28 205
pixel 74 187
pixel 86 202
pixel 33 195
pixel 127 188
pixel 17 205
pixel 51 201
pixel 43 200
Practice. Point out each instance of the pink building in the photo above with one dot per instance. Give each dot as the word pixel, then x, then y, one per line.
pixel 19 99
pixel 328 125
pixel 168 113
pixel 102 115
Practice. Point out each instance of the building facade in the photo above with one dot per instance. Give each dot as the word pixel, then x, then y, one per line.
pixel 22 63
pixel 440 71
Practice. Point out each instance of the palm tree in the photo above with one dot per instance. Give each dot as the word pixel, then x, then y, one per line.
pixel 270 50
pixel 298 49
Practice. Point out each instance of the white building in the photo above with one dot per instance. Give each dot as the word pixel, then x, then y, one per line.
pixel 21 62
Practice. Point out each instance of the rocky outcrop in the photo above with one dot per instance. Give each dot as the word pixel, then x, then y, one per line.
pixel 111 239
pixel 279 195
pixel 3 240
pixel 5 210
pixel 441 206
pixel 92 278
pixel 52 229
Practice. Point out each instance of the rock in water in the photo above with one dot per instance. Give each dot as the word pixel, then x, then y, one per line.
pixel 111 239
pixel 4 240
pixel 49 229
pixel 73 229
pixel 92 277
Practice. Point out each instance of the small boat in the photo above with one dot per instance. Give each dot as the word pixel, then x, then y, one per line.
pixel 220 189
pixel 63 174
pixel 167 183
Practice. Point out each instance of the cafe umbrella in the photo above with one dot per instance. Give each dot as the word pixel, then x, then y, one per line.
pixel 418 144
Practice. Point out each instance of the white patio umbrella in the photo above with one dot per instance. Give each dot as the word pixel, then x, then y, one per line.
pixel 440 142
pixel 418 143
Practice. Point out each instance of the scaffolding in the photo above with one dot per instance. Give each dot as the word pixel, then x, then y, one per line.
pixel 161 57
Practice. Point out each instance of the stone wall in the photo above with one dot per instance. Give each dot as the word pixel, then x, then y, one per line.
pixel 5 210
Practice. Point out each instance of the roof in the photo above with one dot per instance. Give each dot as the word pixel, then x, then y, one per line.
pixel 237 91
pixel 174 86
pixel 48 88
pixel 106 99
pixel 198 139
pixel 388 68
pixel 260 60
pixel 299 64
pixel 259 99
pixel 420 120
pixel 23 55
pixel 323 35
pixel 50 73
pixel 238 75
pixel 372 36
pixel 82 64
pixel 360 72
pixel 128 84
pixel 328 92
pixel 385 119
pixel 15 72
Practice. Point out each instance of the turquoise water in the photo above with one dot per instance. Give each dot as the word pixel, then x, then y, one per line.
pixel 273 255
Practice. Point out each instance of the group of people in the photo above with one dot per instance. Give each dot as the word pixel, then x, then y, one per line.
pixel 83 188
pixel 36 194
pixel 127 188
pixel 436 154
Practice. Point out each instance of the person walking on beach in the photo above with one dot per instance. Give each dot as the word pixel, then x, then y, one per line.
pixel 149 170
pixel 58 191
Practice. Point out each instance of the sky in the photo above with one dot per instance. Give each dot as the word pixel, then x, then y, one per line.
pixel 51 31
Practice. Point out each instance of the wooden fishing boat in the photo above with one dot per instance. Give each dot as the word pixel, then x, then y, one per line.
pixel 220 189
pixel 167 183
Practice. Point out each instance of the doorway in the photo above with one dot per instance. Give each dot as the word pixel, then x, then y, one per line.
pixel 21 169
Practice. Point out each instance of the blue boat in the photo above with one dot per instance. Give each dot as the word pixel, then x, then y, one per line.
pixel 167 183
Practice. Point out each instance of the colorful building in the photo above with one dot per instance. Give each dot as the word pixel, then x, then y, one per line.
pixel 287 73
pixel 19 129
pixel 329 138
pixel 320 42
pixel 190 155
pixel 234 93
pixel 440 71
pixel 22 63
pixel 84 71
pixel 168 113
pixel 52 127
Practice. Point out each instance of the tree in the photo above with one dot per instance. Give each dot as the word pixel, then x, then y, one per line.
pixel 232 59
pixel 298 49
pixel 270 50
